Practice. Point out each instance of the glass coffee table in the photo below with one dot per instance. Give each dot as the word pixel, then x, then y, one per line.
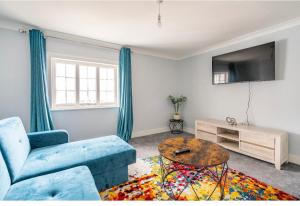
pixel 204 158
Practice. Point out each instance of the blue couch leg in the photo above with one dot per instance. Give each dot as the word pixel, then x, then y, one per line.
pixel 111 178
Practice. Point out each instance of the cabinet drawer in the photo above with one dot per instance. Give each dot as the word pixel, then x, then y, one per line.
pixel 207 128
pixel 261 152
pixel 206 136
pixel 258 138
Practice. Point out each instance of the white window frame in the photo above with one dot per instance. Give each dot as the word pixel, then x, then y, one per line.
pixel 77 105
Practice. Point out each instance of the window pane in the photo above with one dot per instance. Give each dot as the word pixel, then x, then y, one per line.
pixel 71 97
pixel 103 73
pixel 222 78
pixel 83 84
pixel 71 84
pixel 60 83
pixel 216 78
pixel 110 97
pixel 106 97
pixel 110 85
pixel 82 72
pixel 102 97
pixel 88 97
pixel 92 84
pixel 83 97
pixel 110 74
pixel 91 72
pixel 60 97
pixel 107 85
pixel 70 70
pixel 103 86
pixel 65 83
pixel 60 69
pixel 92 97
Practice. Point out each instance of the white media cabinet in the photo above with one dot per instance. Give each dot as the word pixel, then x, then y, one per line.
pixel 269 145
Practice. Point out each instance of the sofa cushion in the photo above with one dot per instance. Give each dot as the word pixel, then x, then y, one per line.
pixel 72 184
pixel 99 154
pixel 4 178
pixel 14 144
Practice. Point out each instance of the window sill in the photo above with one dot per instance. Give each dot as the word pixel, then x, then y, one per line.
pixel 53 109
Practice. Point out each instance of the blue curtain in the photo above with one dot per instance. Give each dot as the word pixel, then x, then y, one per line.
pixel 125 119
pixel 40 119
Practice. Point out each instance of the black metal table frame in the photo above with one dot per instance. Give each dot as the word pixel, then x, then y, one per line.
pixel 176 126
pixel 212 171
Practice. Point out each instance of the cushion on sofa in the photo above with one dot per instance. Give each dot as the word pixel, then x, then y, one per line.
pixel 99 154
pixel 4 178
pixel 14 144
pixel 72 184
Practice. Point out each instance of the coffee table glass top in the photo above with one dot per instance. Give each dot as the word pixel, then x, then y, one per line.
pixel 203 153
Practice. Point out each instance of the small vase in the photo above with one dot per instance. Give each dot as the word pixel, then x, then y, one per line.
pixel 176 116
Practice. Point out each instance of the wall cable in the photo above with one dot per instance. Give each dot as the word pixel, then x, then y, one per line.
pixel 249 101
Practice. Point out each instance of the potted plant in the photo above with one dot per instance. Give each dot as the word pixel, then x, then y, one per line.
pixel 177 102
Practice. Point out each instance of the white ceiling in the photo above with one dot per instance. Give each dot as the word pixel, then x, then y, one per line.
pixel 187 26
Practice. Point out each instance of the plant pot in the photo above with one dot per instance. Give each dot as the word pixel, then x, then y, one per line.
pixel 176 116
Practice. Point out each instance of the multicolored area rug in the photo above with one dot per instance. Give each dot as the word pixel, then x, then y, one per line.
pixel 145 184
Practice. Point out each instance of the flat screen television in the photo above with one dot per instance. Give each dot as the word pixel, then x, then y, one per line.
pixel 251 64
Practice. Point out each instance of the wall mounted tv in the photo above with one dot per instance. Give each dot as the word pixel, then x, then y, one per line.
pixel 251 64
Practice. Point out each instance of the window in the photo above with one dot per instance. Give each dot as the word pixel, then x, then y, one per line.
pixel 106 85
pixel 220 77
pixel 87 82
pixel 78 84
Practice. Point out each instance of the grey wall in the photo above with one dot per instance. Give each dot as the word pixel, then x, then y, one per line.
pixel 275 104
pixel 14 76
pixel 153 80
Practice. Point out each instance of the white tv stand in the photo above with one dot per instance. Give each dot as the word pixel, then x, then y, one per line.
pixel 265 144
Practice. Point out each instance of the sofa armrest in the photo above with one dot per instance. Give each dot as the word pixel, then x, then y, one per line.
pixel 48 138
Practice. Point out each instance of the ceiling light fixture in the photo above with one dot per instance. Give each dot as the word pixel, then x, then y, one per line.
pixel 159 16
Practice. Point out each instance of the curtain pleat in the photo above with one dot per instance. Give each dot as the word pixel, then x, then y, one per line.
pixel 125 118
pixel 40 119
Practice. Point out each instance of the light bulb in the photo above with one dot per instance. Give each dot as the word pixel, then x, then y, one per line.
pixel 159 20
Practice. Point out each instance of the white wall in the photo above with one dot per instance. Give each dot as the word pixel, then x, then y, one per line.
pixel 14 76
pixel 153 80
pixel 275 104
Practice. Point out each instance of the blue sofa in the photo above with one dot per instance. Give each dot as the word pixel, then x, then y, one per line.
pixel 35 154
pixel 72 184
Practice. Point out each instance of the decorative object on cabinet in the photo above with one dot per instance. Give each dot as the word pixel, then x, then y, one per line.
pixel 231 121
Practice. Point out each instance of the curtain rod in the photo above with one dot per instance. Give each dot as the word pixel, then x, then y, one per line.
pixel 24 31
pixel 80 42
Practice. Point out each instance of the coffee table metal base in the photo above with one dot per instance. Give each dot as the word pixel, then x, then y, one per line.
pixel 217 173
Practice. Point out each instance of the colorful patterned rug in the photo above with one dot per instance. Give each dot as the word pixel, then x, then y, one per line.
pixel 145 184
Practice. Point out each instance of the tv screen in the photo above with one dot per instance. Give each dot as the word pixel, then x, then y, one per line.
pixel 251 64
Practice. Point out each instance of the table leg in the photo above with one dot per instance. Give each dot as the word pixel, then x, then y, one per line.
pixel 220 179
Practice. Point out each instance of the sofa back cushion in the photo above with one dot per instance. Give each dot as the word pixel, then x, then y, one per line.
pixel 14 144
pixel 4 178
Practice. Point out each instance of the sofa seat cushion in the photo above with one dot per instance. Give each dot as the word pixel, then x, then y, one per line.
pixel 99 154
pixel 72 184
pixel 14 144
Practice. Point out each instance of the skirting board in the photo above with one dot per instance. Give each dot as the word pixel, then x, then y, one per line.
pixel 149 132
pixel 156 131
pixel 292 158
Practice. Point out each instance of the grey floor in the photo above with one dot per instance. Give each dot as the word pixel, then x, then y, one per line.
pixel 287 179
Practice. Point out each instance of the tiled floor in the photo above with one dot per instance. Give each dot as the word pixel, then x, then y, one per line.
pixel 287 179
